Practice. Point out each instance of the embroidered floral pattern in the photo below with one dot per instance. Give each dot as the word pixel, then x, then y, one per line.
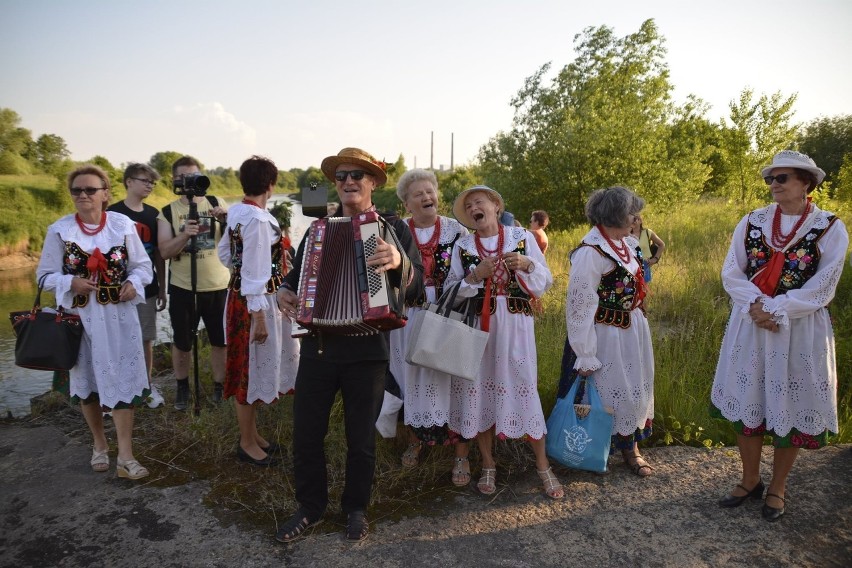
pixel 800 261
pixel 110 280
pixel 517 300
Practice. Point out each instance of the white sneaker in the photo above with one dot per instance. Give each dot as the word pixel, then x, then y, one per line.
pixel 156 399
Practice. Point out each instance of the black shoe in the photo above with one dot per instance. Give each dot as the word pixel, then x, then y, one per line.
pixel 218 392
pixel 274 449
pixel 772 514
pixel 357 526
pixel 182 395
pixel 265 462
pixel 737 500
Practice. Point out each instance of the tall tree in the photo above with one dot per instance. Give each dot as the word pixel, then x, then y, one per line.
pixel 604 119
pixel 51 151
pixel 828 141
pixel 758 131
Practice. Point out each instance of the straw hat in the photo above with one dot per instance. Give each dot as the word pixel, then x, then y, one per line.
pixel 458 204
pixel 793 159
pixel 357 157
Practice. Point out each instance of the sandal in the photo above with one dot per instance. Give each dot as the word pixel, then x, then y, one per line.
pixel 130 469
pixel 294 527
pixel 488 482
pixel 461 472
pixel 551 484
pixel 357 525
pixel 411 456
pixel 100 460
pixel 638 465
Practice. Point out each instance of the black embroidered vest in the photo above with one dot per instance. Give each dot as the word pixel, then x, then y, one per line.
pixel 74 262
pixel 517 300
pixel 616 292
pixel 800 261
pixel 277 276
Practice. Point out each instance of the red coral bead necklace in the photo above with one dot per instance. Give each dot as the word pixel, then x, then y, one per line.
pixel 622 250
pixel 88 231
pixel 779 239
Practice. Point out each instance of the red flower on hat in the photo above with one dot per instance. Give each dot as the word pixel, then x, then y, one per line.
pixel 382 165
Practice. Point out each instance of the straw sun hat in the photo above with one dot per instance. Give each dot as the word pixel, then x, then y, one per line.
pixel 356 157
pixel 458 204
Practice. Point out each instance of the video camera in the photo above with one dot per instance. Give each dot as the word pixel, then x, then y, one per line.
pixel 192 185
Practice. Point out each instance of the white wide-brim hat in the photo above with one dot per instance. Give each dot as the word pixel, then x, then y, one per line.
pixel 458 205
pixel 793 159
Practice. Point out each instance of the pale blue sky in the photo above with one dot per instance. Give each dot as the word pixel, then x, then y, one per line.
pixel 297 81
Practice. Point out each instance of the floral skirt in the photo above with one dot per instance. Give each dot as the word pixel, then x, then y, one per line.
pixel 61 380
pixel 794 439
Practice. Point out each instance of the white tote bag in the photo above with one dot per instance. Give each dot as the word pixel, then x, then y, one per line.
pixel 443 339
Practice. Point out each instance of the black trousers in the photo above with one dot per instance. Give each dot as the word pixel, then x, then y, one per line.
pixel 362 386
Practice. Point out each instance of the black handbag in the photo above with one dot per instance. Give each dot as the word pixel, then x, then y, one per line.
pixel 46 340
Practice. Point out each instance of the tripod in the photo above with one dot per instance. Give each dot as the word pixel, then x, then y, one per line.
pixel 193 313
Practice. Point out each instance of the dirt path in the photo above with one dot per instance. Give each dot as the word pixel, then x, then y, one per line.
pixel 55 512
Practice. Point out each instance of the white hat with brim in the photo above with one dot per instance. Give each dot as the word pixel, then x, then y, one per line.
pixel 793 159
pixel 356 157
pixel 458 205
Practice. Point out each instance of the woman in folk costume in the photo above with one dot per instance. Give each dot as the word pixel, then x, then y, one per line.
pixel 608 334
pixel 96 264
pixel 262 356
pixel 427 392
pixel 503 268
pixel 777 374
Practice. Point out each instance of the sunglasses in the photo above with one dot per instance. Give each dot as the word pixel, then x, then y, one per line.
pixel 145 181
pixel 780 178
pixel 90 191
pixel 356 175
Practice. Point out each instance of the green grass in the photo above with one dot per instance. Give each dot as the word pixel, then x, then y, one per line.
pixel 687 312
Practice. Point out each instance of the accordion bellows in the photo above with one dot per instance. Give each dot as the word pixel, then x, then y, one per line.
pixel 338 292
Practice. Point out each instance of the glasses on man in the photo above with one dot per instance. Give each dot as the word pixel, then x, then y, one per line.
pixel 90 191
pixel 148 182
pixel 780 178
pixel 356 175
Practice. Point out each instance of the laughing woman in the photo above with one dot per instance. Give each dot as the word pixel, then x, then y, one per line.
pixel 504 270
pixel 426 392
pixel 777 374
pixel 96 265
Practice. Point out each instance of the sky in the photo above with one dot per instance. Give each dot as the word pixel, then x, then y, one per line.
pixel 298 81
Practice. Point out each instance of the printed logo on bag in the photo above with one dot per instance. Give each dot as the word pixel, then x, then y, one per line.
pixel 576 440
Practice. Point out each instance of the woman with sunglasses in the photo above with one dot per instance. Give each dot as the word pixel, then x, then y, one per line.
pixel 504 272
pixel 776 374
pixel 97 267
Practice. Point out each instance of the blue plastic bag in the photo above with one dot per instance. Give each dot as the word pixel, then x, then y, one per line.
pixel 575 442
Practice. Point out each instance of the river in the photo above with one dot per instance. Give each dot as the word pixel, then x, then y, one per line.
pixel 18 385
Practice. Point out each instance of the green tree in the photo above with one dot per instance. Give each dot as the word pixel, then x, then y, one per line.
pixel 51 152
pixel 311 175
pixel 451 183
pixel 395 171
pixel 828 141
pixel 758 131
pixel 287 181
pixel 604 119
pixel 13 138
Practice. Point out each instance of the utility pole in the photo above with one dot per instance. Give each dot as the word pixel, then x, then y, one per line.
pixel 452 141
pixel 432 152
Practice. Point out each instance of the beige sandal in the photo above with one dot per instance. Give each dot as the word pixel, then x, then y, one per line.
pixel 100 460
pixel 488 482
pixel 461 472
pixel 411 456
pixel 551 484
pixel 131 469
pixel 637 464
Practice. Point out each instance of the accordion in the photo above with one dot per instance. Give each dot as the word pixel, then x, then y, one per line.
pixel 338 292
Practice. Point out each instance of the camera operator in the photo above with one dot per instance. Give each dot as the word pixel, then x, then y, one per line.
pixel 207 299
